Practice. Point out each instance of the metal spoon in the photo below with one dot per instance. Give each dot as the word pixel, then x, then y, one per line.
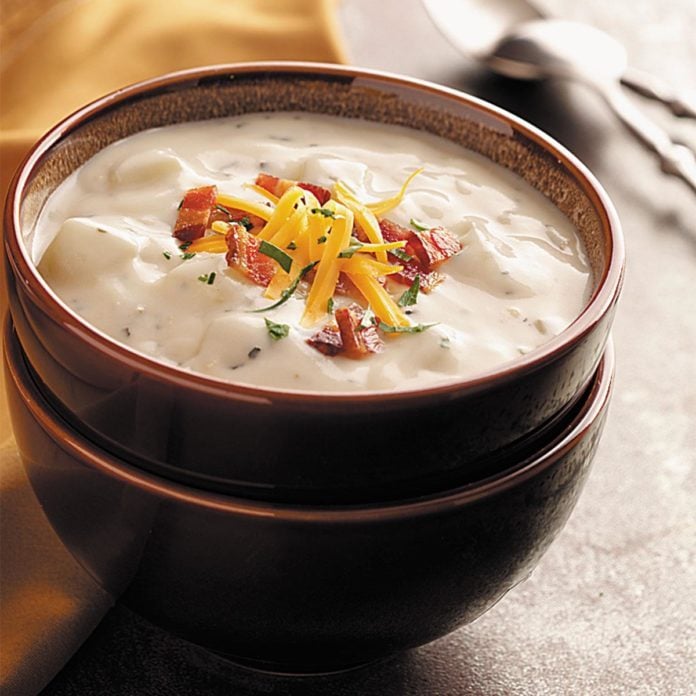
pixel 556 48
pixel 475 26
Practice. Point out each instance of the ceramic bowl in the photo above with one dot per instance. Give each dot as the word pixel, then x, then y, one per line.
pixel 300 588
pixel 214 434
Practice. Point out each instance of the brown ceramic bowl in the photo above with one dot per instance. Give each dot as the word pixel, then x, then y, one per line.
pixel 215 434
pixel 300 587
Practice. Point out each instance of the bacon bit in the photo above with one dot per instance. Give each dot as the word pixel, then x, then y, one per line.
pixel 243 254
pixel 225 214
pixel 278 187
pixel 347 336
pixel 194 214
pixel 410 270
pixel 358 341
pixel 321 193
pixel 327 341
pixel 428 250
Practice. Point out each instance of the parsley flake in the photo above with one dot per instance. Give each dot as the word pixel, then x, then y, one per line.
pixel 207 278
pixel 418 225
pixel 322 239
pixel 166 255
pixel 292 246
pixel 368 319
pixel 417 328
pixel 348 252
pixel 254 352
pixel 401 255
pixel 330 305
pixel 276 331
pixel 277 254
pixel 326 212
pixel 288 292
pixel 188 255
pixel 410 297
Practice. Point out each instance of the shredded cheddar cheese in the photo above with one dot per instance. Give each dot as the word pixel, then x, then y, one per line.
pixel 301 235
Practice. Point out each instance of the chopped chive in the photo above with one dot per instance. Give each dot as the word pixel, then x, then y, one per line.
pixel 101 230
pixel 276 331
pixel 288 292
pixel 322 239
pixel 330 306
pixel 417 328
pixel 188 255
pixel 418 225
pixel 185 245
pixel 410 297
pixel 401 255
pixel 211 278
pixel 166 255
pixel 181 202
pixel 326 212
pixel 292 246
pixel 205 278
pixel 222 209
pixel 254 352
pixel 277 254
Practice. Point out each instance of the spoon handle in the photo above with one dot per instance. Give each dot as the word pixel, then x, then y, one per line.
pixel 682 105
pixel 675 159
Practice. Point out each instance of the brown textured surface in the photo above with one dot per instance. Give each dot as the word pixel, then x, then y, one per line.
pixel 611 607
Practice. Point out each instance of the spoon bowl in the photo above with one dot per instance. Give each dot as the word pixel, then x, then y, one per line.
pixel 556 48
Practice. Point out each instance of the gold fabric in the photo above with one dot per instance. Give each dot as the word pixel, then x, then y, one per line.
pixel 55 57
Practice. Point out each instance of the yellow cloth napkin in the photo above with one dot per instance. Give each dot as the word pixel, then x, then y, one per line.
pixel 56 56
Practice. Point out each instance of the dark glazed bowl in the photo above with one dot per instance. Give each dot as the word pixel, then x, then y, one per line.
pixel 300 587
pixel 213 434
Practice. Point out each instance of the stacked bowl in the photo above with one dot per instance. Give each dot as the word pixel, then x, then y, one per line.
pixel 237 516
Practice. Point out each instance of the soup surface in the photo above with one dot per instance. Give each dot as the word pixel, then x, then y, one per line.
pixel 104 243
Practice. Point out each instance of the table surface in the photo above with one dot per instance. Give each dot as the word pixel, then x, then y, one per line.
pixel 611 608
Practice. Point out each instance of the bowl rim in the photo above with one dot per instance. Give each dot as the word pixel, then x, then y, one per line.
pixel 90 455
pixel 599 304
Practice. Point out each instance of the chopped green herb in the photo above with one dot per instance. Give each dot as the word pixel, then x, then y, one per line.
pixel 276 331
pixel 368 319
pixel 348 252
pixel 417 328
pixel 181 202
pixel 418 225
pixel 288 292
pixel 322 239
pixel 101 231
pixel 410 297
pixel 185 245
pixel 207 278
pixel 330 306
pixel 402 255
pixel 292 246
pixel 222 209
pixel 277 254
pixel 326 212
pixel 253 352
pixel 166 255
pixel 246 223
pixel 188 255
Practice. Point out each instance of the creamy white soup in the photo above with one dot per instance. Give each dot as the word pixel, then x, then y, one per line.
pixel 105 244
